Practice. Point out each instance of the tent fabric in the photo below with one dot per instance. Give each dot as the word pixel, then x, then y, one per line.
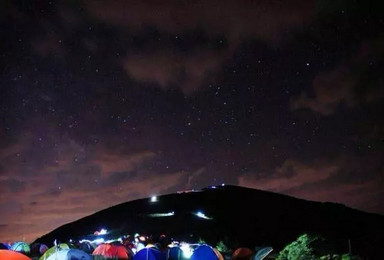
pixel 219 255
pixel 262 253
pixel 38 249
pixel 21 247
pixel 175 253
pixel 112 251
pixel 149 253
pixel 86 247
pixel 242 253
pixel 53 249
pixel 69 254
pixel 204 252
pixel 12 255
pixel 4 246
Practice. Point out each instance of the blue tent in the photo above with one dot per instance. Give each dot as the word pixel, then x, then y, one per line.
pixel 204 252
pixel 149 253
pixel 4 246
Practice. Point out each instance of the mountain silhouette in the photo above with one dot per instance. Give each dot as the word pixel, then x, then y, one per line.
pixel 238 216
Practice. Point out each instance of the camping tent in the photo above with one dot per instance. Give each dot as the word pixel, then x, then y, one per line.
pixel 175 253
pixel 4 246
pixel 86 247
pixel 111 251
pixel 205 252
pixel 69 254
pixel 37 249
pixel 53 250
pixel 21 247
pixel 149 253
pixel 242 253
pixel 12 255
pixel 262 253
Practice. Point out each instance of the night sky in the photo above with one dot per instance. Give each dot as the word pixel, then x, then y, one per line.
pixel 104 102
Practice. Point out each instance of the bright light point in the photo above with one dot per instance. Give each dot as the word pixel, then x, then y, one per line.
pixel 187 250
pixel 200 214
pixel 223 184
pixel 103 231
pixel 159 215
pixel 98 241
pixel 154 199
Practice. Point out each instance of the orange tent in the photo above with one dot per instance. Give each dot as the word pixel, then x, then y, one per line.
pixel 219 255
pixel 12 255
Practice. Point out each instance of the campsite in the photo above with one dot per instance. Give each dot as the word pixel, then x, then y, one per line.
pixel 87 250
pixel 198 225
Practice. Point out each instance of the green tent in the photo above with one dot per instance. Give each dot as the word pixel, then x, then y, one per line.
pixel 53 250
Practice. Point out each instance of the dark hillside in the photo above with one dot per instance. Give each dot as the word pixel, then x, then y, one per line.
pixel 239 216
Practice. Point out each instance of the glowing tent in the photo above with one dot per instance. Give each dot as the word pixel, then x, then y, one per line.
pixel 175 253
pixel 69 254
pixel 12 255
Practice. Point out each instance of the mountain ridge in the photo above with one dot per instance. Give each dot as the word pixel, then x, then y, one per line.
pixel 237 215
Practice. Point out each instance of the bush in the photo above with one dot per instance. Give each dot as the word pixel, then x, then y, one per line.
pixel 299 249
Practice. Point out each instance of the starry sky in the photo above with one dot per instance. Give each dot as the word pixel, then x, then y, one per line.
pixel 104 102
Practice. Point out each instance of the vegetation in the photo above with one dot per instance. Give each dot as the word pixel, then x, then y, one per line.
pixel 222 247
pixel 304 249
pixel 299 249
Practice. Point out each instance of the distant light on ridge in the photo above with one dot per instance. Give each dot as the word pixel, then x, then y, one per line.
pixel 200 214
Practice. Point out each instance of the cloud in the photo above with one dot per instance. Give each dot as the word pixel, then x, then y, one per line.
pixel 353 82
pixel 331 89
pixel 184 70
pixel 292 174
pixel 196 61
pixel 13 185
pixel 187 69
pixel 70 180
pixel 122 161
pixel 264 19
pixel 353 181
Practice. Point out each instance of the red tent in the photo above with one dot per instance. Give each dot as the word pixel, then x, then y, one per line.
pixel 242 253
pixel 112 251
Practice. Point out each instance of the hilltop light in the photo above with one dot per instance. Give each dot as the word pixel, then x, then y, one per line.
pixel 154 199
pixel 200 214
pixel 159 215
